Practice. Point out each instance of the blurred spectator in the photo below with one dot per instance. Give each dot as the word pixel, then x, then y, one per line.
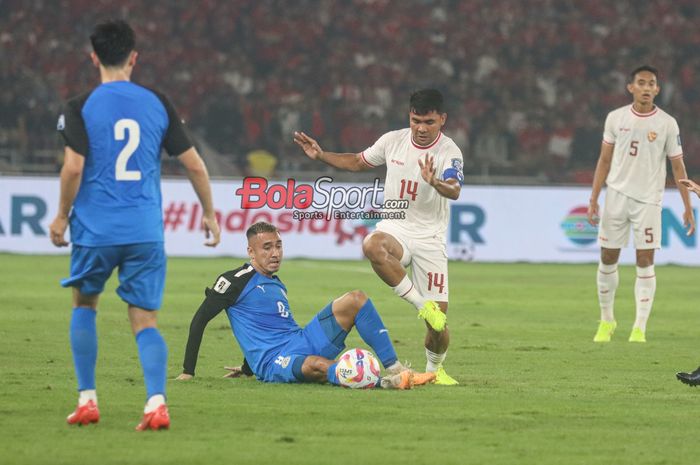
pixel 261 163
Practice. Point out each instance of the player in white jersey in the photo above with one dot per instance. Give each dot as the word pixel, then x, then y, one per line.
pixel 424 167
pixel 638 139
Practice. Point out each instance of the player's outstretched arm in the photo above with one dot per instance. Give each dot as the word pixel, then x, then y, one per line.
pixel 679 173
pixel 343 161
pixel 601 173
pixel 211 307
pixel 199 177
pixel 71 174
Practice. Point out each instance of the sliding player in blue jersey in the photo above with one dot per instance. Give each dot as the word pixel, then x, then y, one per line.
pixel 275 347
pixel 110 196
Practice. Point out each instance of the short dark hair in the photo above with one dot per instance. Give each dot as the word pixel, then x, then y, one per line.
pixel 424 101
pixel 642 68
pixel 113 41
pixel 260 227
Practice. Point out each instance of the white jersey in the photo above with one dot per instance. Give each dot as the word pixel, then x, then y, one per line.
pixel 642 143
pixel 428 212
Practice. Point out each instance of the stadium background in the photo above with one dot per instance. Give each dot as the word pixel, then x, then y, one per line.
pixel 528 82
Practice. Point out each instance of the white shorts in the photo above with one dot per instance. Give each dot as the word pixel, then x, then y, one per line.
pixel 619 213
pixel 428 260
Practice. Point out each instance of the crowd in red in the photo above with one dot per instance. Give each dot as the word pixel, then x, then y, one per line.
pixel 528 82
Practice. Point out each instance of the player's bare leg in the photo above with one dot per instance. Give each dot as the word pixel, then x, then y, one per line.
pixel 607 280
pixel 346 307
pixel 644 290
pixel 153 354
pixel 83 336
pixel 315 368
pixel 385 253
pixel 436 344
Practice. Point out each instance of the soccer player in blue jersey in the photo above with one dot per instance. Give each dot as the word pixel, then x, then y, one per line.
pixel 275 347
pixel 110 196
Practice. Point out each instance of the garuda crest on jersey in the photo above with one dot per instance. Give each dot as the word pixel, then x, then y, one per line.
pixel 651 136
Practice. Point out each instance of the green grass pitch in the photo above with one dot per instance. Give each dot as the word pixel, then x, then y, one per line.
pixel 534 387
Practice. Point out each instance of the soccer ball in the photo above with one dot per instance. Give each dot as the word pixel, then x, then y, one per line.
pixel 357 369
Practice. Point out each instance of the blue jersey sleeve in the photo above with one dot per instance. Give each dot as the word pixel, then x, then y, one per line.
pixel 71 125
pixel 177 140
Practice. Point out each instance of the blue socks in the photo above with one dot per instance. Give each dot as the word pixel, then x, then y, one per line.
pixel 83 342
pixel 330 375
pixel 373 332
pixel 154 360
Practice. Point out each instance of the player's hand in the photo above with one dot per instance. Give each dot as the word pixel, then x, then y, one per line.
pixel 234 372
pixel 427 169
pixel 184 377
pixel 308 145
pixel 689 221
pixel 690 185
pixel 211 230
pixel 593 216
pixel 57 231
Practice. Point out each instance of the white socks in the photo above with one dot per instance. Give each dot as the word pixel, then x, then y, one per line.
pixel 434 360
pixel 407 291
pixel 608 280
pixel 396 368
pixel 87 395
pixel 644 289
pixel 154 402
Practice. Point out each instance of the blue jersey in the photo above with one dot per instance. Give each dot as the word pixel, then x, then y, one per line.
pixel 261 319
pixel 120 129
pixel 258 310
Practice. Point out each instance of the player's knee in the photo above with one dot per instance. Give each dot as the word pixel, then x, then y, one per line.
pixel 359 298
pixel 373 247
pixel 609 256
pixel 84 300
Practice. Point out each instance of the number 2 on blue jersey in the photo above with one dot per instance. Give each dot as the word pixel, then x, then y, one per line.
pixel 121 126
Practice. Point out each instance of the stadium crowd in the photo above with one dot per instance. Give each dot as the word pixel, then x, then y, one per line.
pixel 528 82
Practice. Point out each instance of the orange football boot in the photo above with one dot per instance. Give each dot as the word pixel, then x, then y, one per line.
pixel 84 414
pixel 155 420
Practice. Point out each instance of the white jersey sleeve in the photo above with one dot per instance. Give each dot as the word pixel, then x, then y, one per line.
pixel 673 148
pixel 609 133
pixel 376 154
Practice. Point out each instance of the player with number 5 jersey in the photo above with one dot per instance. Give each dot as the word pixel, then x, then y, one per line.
pixel 110 195
pixel 424 168
pixel 637 141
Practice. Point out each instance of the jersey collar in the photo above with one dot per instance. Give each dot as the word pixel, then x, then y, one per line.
pixel 644 115
pixel 426 147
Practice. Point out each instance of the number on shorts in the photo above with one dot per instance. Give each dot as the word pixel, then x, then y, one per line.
pixel 436 280
pixel 633 148
pixel 120 171
pixel 649 233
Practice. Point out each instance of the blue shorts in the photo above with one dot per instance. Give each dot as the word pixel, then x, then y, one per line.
pixel 323 337
pixel 141 272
